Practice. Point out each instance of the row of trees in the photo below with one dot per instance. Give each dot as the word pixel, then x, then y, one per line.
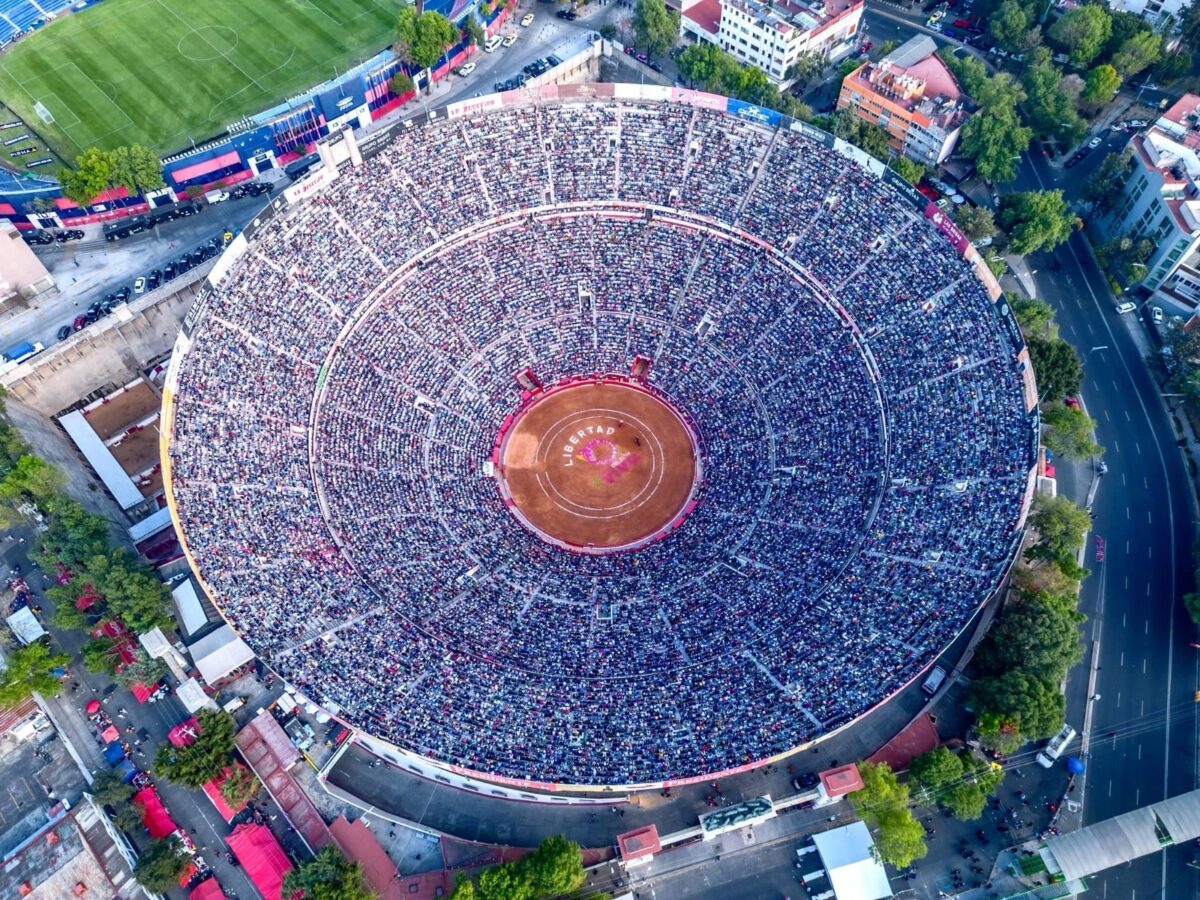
pixel 135 168
pixel 553 869
pixel 710 68
pixel 959 782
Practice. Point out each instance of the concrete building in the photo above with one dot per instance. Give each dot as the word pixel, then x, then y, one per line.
pixel 1156 12
pixel 1160 200
pixel 772 35
pixel 912 95
pixel 22 275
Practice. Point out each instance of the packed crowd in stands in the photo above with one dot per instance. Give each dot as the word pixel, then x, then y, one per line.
pixel 860 410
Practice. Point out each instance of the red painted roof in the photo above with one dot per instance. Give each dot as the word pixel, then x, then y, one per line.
pixel 195 170
pixel 360 846
pixel 207 890
pixel 706 14
pixel 639 842
pixel 261 856
pixel 842 780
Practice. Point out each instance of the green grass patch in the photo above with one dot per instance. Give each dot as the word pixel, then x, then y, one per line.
pixel 163 73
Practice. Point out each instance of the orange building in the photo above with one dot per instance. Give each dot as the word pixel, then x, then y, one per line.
pixel 913 96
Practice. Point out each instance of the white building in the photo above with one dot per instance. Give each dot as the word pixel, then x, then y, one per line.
pixel 772 35
pixel 1156 12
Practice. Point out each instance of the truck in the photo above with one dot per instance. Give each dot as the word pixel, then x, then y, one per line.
pixel 216 196
pixel 20 352
pixel 1053 750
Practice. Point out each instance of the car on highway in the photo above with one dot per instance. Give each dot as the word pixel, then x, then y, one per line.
pixel 465 69
pixel 527 20
pixel 950 33
pixel 64 332
pixel 1094 143
pixel 509 40
pixel 1126 307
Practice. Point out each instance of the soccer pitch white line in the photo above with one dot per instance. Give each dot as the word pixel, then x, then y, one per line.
pixel 192 30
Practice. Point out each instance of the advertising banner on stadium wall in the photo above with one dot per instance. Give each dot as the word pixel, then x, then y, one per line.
pixel 702 99
pixel 752 113
pixel 1035 436
pixel 474 106
pixel 824 138
pixel 1009 321
pixel 915 197
pixel 946 226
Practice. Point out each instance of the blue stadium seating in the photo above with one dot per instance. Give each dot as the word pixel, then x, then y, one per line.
pixel 18 16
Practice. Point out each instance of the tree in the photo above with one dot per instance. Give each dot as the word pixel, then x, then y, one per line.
pixel 935 771
pixel 240 786
pixel 110 789
pixel 32 478
pixel 327 876
pixel 965 802
pixel 91 176
pixel 67 617
pixel 422 38
pixel 808 65
pixel 1069 431
pixel 1103 188
pixel 1036 220
pixel 555 867
pixel 1060 526
pixel 1141 51
pixel 1056 365
pixel 504 883
pixel 137 169
pixel 867 137
pixel 1189 27
pixel 28 670
pixel 1037 636
pixel 160 864
pixel 1124 26
pixel 464 888
pixel 74 534
pixel 1008 25
pixel 401 84
pixel 474 31
pixel 131 592
pixel 205 758
pixel 1082 33
pixel 1017 703
pixel 970 71
pixel 100 655
pixel 994 140
pixel 910 171
pixel 1048 108
pixel 128 819
pixel 882 803
pixel 655 28
pixel 975 221
pixel 1191 602
pixel 145 669
pixel 1036 317
pixel 1101 84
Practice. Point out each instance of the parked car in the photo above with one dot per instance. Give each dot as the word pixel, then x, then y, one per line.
pixel 37 236
pixel 806 781
pixel 139 285
pixel 509 40
pixel 465 69
pixel 93 313
pixel 1156 313
pixel 1126 307
pixel 1094 143
pixel 64 332
pixel 865 48
pixel 79 323
pixel 1075 159
pixel 527 20
pixel 950 33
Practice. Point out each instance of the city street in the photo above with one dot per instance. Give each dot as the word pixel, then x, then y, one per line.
pixel 1143 741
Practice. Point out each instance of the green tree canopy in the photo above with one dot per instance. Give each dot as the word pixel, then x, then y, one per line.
pixel 555 867
pixel 74 535
pixel 1082 32
pixel 976 221
pixel 808 65
pixel 110 789
pixel 92 175
pixel 132 594
pixel 100 655
pixel 1049 109
pixel 128 819
pixel 910 171
pixel 1036 220
pixel 1038 637
pixel 145 669
pixel 240 786
pixel 994 140
pixel 1068 431
pixel 936 770
pixel 205 758
pixel 1191 602
pixel 1060 527
pixel 707 66
pixel 137 169
pixel 1008 25
pixel 422 39
pixel 655 28
pixel 160 865
pixel 28 670
pixel 867 137
pixel 1100 85
pixel 1056 365
pixel 964 801
pixel 1036 317
pixel 34 479
pixel 1017 702
pixel 327 876
pixel 882 803
pixel 475 32
pixel 1139 52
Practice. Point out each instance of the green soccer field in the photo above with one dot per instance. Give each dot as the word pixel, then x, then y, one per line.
pixel 163 73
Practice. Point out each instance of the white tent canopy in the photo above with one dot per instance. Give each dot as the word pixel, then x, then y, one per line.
pixel 192 696
pixel 25 625
pixel 848 854
pixel 187 604
pixel 218 653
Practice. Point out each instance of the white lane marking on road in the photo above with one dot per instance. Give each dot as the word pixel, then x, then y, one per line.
pixel 1146 630
pixel 1128 515
pixel 1126 582
pixel 1148 517
pixel 1139 751
pixel 1137 447
pixel 1123 482
pixel 1143 672
pixel 1107 418
pixel 1122 662
pixel 1091 330
pixel 1110 787
pixel 1149 552
pixel 1116 446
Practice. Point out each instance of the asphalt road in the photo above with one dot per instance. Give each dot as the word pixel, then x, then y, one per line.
pixel 1145 726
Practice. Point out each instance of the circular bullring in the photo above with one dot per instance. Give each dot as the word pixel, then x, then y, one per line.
pixel 800 455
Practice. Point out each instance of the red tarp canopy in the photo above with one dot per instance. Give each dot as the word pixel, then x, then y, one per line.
pixel 184 733
pixel 207 890
pixel 110 734
pixel 141 693
pixel 261 856
pixel 154 815
pixel 213 790
pixel 93 706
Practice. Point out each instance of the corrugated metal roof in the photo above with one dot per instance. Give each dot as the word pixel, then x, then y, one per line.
pixel 911 51
pixel 1181 815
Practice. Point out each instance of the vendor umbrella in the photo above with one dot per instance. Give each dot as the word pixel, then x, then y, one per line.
pixel 1075 765
pixel 93 706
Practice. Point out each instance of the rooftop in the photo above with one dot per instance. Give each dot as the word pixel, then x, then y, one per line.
pixel 790 15
pixel 913 77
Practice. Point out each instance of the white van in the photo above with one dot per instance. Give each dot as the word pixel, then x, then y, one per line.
pixel 1057 745
pixel 491 43
pixel 934 681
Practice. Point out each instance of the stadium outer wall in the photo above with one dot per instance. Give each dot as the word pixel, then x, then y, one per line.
pixel 342 150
